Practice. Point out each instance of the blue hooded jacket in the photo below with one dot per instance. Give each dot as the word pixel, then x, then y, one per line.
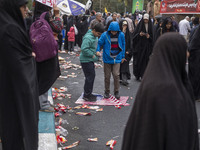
pixel 105 41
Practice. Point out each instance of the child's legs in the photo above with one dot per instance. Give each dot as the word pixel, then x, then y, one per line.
pixel 107 74
pixel 72 46
pixel 89 72
pixel 115 73
pixel 69 46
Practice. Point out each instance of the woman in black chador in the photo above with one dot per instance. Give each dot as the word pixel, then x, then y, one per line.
pixel 124 67
pixel 167 26
pixel 164 115
pixel 19 102
pixel 194 63
pixel 142 46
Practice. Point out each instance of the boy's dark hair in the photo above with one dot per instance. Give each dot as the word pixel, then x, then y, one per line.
pixel 98 28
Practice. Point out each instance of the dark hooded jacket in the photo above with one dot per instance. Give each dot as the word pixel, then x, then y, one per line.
pixel 164 114
pixel 142 48
pixel 19 102
pixel 194 63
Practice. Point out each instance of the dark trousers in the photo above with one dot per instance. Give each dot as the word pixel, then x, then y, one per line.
pixel 70 46
pixel 89 72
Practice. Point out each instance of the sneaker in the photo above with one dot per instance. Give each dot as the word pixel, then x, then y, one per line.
pixel 117 96
pixel 49 109
pixel 106 95
pixel 91 98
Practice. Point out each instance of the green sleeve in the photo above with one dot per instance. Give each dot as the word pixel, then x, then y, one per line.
pixel 86 48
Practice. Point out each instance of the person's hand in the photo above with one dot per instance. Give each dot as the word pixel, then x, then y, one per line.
pixel 123 60
pixel 142 33
pixel 93 56
pixel 98 53
pixel 127 52
pixel 147 35
pixel 188 54
pixel 33 54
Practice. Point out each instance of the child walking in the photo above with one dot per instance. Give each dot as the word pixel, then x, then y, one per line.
pixel 71 39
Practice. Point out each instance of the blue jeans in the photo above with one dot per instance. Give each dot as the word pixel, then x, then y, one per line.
pixel 89 72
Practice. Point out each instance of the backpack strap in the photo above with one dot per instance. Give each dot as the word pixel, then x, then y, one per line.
pixel 42 16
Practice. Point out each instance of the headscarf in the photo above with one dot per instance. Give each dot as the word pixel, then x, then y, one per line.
pixel 12 7
pixel 165 22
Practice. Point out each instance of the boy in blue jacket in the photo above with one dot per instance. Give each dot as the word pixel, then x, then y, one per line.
pixel 113 42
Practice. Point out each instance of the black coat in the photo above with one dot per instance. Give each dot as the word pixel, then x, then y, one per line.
pixel 19 102
pixel 48 71
pixel 194 63
pixel 164 115
pixel 70 23
pixel 82 26
pixel 142 48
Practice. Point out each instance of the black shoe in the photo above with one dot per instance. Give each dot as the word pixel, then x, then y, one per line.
pixel 91 98
pixel 117 96
pixel 125 83
pixel 92 95
pixel 106 95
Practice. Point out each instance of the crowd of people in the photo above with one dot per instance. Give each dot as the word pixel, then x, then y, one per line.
pixel 164 114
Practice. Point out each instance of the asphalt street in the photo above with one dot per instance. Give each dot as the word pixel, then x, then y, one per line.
pixel 105 125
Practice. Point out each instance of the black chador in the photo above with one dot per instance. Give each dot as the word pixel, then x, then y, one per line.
pixel 164 115
pixel 124 67
pixel 194 63
pixel 142 48
pixel 19 102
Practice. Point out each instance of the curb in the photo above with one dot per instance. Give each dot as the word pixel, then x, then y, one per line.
pixel 46 129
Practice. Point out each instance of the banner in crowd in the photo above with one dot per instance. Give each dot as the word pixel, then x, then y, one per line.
pixel 47 2
pixel 180 7
pixel 137 5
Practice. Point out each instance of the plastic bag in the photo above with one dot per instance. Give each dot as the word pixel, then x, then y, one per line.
pixel 75 30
